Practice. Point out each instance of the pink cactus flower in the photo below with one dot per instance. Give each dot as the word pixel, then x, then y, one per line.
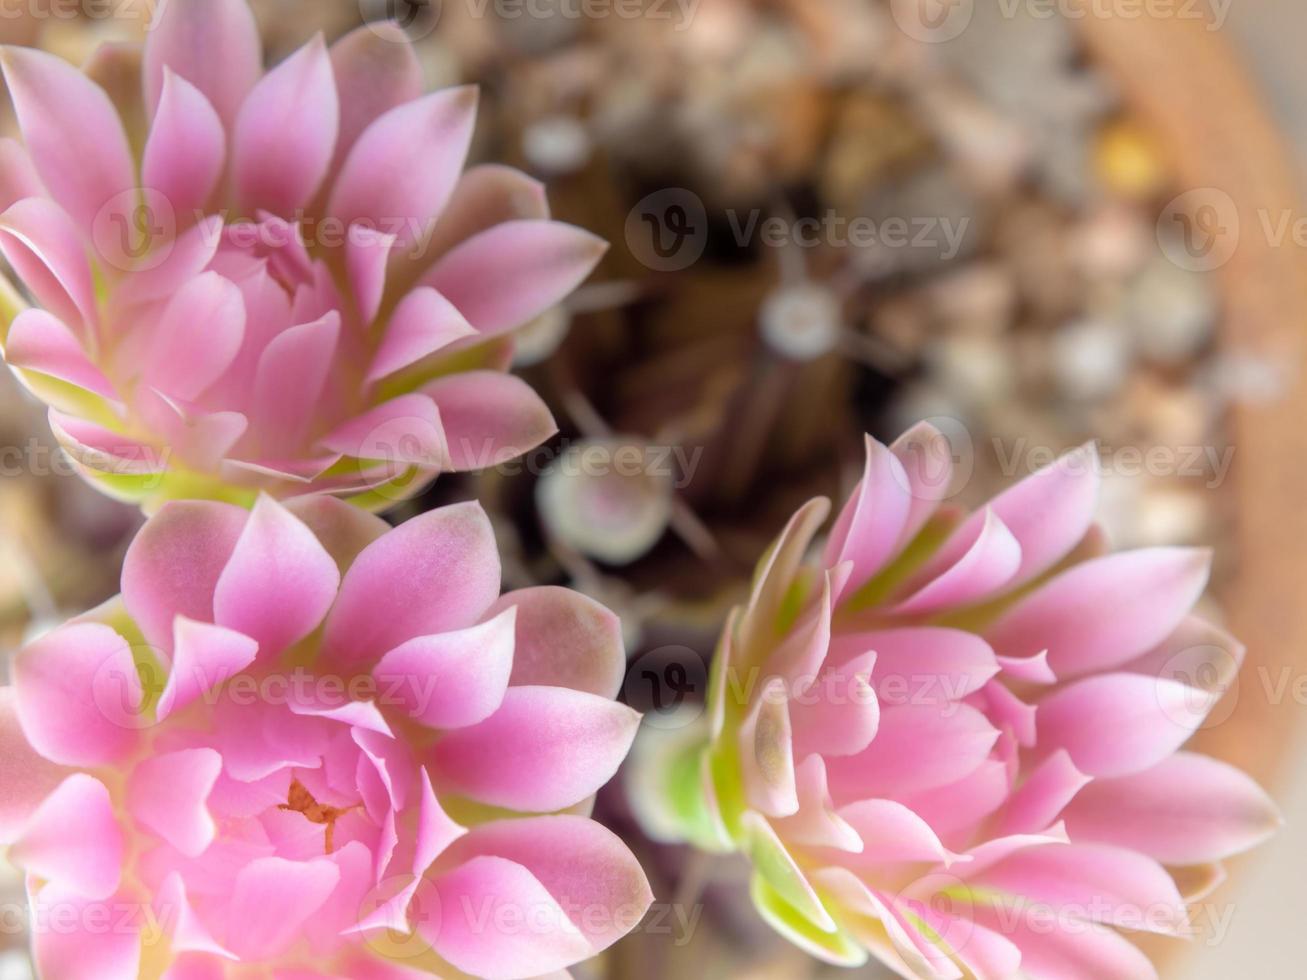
pixel 953 742
pixel 302 745
pixel 281 282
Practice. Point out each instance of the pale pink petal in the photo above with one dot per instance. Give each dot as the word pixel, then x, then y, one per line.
pixel 917 747
pixel 286 133
pixel 45 249
pixel 403 432
pixel 564 639
pixel 450 680
pixel 891 833
pixel 79 695
pixel 1118 724
pixel 1148 592
pixel 195 966
pixel 105 450
pixel 840 713
pixel 489 417
pixel 83 954
pixel 766 753
pixel 488 945
pixel 1039 801
pixel 423 323
pixel 26 778
pixel 1186 810
pixel 870 527
pixel 197 337
pixel 186 933
pixel 509 274
pixel 213 44
pixel 578 861
pixel 928 662
pixel 817 823
pixel 986 565
pixel 956 809
pixel 72 132
pixel 167 794
pixel 173 565
pixel 295 889
pixel 401 171
pixel 927 460
pixel 546 748
pixel 289 382
pixel 432 574
pixel 38 341
pixel 74 839
pixel 1053 950
pixel 343 529
pixel 376 70
pixel 187 148
pixel 187 257
pixel 18 178
pixel 1091 881
pixel 203 657
pixel 366 253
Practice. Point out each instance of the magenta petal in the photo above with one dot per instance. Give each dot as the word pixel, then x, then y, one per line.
pixel 72 132
pixel 366 254
pixel 546 748
pixel 432 574
pixel 564 639
pixel 213 44
pixel 1118 724
pixel 286 133
pixel 186 150
pixel 83 954
pixel 289 382
pixel 404 166
pixel 1186 810
pixel 74 839
pixel 40 342
pixel 295 889
pixel 450 680
pixel 1148 591
pixel 167 794
pixel 203 657
pixel 489 417
pixel 197 337
pixel 511 273
pixel 79 695
pixel 423 323
pixel 173 565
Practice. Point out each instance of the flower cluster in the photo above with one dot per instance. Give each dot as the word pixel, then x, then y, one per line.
pixel 189 767
pixel 279 282
pixel 952 742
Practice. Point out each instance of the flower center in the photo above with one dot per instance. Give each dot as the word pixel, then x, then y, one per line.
pixel 300 800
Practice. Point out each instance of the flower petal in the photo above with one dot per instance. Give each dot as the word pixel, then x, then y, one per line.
pixel 79 695
pixel 871 524
pixel 74 839
pixel 289 382
pixel 435 573
pixel 376 70
pixel 489 417
pixel 26 778
pixel 187 148
pixel 450 680
pixel 213 44
pixel 1186 810
pixel 404 166
pixel 167 794
pixel 72 132
pixel 296 889
pixel 197 337
pixel 1118 724
pixel 286 133
pixel 546 748
pixel 423 322
pixel 173 565
pixel 509 274
pixel 40 342
pixel 564 639
pixel 203 657
pixel 1148 592
pixel 45 249
pixel 83 954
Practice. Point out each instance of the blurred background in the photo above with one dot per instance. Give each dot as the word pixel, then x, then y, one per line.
pixel 1033 222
